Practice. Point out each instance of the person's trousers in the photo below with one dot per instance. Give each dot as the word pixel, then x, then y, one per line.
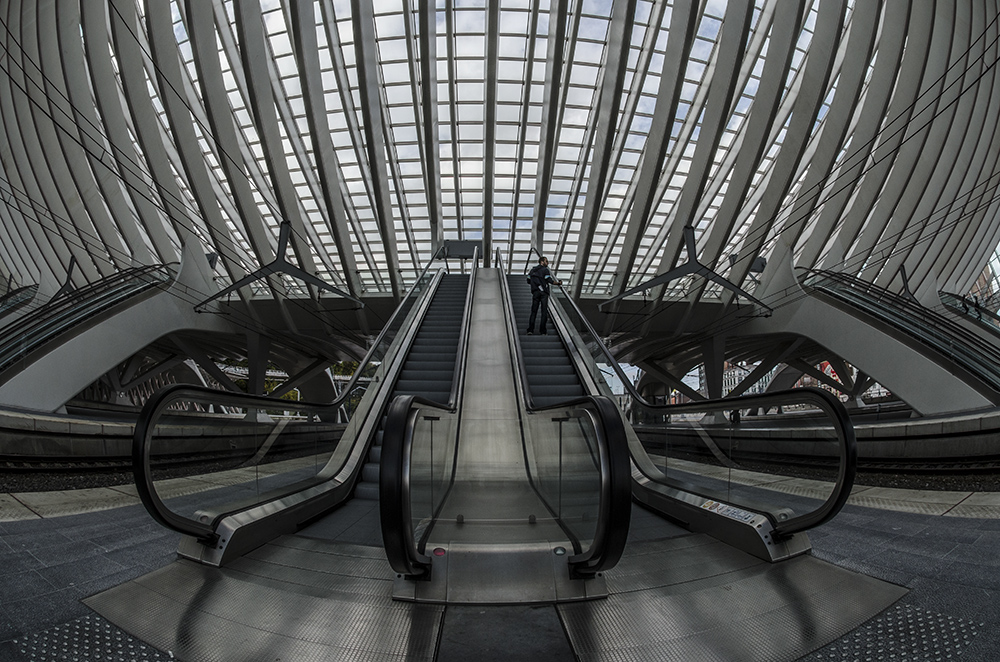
pixel 539 301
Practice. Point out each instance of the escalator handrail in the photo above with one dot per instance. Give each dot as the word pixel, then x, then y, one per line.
pixel 394 486
pixel 896 303
pixel 458 378
pixel 960 305
pixel 87 296
pixel 614 469
pixel 615 504
pixel 73 297
pixel 831 406
pixel 826 402
pixel 154 407
pixel 141 448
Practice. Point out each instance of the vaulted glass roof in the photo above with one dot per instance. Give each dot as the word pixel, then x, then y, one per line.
pixel 810 132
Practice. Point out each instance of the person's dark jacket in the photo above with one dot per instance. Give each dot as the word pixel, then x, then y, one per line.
pixel 539 278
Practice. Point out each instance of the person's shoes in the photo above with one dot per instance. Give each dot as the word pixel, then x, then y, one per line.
pixel 530 333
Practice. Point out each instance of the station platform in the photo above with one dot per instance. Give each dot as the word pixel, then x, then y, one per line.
pixel 59 549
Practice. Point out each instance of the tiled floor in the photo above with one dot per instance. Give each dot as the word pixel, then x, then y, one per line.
pixel 950 565
pixel 34 505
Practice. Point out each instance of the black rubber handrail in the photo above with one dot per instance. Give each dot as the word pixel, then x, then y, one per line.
pixel 156 405
pixel 458 377
pixel 823 400
pixel 615 504
pixel 394 487
pixel 401 547
pixel 826 402
pixel 141 448
pixel 615 509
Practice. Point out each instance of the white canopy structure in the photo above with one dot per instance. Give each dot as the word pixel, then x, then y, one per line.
pixel 622 139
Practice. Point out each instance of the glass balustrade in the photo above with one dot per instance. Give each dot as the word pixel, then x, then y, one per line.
pixel 200 453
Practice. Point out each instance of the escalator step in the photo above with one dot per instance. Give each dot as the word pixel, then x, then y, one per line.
pixel 423 383
pixel 434 341
pixel 553 369
pixel 564 392
pixel 543 379
pixel 439 325
pixel 367 491
pixel 542 362
pixel 435 374
pixel 418 365
pixel 370 472
pixel 434 359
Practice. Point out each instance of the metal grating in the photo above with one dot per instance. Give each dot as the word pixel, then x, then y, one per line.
pixel 903 634
pixel 87 638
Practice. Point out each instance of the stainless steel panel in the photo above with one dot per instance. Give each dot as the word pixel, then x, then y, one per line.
pixel 711 604
pixel 500 574
pixel 300 600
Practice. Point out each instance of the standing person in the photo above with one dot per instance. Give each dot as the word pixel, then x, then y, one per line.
pixel 540 278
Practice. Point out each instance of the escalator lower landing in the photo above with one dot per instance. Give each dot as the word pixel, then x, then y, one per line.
pixel 674 596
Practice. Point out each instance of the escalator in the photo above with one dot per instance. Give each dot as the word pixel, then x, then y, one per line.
pixel 960 350
pixel 712 467
pixel 512 490
pixel 477 503
pixel 68 313
pixel 277 466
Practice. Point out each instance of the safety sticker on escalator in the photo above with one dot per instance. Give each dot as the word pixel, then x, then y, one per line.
pixel 729 511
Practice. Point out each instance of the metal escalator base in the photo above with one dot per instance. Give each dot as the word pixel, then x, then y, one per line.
pixel 515 574
pixel 689 597
pixel 694 598
pixel 293 599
